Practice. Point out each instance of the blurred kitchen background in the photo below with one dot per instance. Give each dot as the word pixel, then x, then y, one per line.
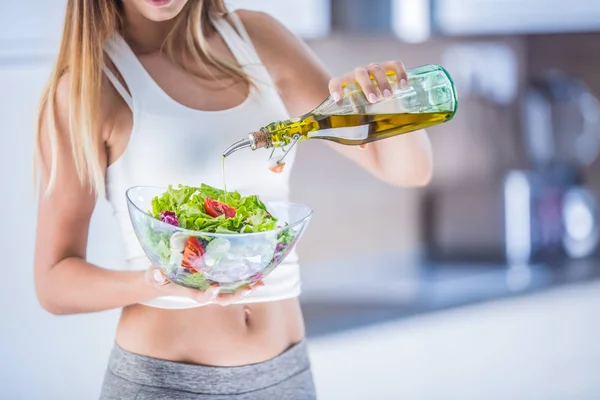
pixel 483 285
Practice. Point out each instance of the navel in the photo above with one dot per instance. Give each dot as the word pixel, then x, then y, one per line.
pixel 247 315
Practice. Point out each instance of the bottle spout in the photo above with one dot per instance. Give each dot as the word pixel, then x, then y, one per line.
pixel 241 144
pixel 255 140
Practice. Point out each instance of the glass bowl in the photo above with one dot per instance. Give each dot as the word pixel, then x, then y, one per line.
pixel 226 259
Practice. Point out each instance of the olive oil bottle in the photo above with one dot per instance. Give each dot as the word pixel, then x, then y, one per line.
pixel 428 98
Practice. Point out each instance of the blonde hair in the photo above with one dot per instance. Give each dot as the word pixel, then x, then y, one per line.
pixel 88 25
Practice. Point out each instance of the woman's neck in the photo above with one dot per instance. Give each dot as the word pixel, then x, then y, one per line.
pixel 143 35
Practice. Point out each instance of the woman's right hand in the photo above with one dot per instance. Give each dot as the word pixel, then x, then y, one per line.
pixel 155 277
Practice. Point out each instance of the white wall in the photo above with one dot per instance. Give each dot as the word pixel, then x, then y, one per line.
pixel 41 356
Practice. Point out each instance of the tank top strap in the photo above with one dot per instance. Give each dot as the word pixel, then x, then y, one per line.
pixel 243 33
pixel 119 87
pixel 131 69
pixel 240 44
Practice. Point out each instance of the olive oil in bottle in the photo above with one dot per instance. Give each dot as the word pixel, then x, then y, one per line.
pixel 428 98
pixel 353 129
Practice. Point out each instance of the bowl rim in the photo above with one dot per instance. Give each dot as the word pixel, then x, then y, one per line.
pixel 215 234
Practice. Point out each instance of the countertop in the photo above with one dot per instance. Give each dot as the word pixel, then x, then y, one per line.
pixel 540 346
pixel 338 296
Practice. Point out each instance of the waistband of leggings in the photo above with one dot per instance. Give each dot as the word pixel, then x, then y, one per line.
pixel 202 379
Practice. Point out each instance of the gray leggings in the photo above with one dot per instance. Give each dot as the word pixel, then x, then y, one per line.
pixel 285 377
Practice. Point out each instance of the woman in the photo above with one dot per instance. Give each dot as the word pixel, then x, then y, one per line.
pixel 150 92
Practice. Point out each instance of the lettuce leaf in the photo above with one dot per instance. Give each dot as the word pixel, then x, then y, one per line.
pixel 187 202
pixel 158 242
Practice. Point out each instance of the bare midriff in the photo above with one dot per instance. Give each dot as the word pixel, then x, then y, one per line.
pixel 212 335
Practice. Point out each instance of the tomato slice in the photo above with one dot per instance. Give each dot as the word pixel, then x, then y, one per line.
pixel 215 208
pixel 192 253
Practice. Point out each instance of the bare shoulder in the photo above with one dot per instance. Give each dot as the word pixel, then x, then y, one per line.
pixel 288 59
pixel 109 102
pixel 261 26
pixel 54 147
pixel 275 43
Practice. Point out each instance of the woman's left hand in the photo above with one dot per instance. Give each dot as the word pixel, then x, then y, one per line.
pixel 362 76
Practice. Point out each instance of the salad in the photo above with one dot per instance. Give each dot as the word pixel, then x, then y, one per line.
pixel 203 238
pixel 208 209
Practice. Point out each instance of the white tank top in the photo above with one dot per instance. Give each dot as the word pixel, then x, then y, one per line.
pixel 174 144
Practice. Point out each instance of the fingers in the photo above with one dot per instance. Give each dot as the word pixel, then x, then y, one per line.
pixel 369 78
pixel 363 77
pixel 205 296
pixel 378 74
pixel 366 84
pixel 155 277
pixel 398 68
pixel 225 299
pixel 336 85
